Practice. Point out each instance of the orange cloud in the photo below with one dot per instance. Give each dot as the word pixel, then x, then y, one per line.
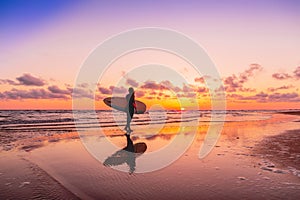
pixel 284 76
pixel 284 87
pixel 26 80
pixel 151 92
pixel 235 83
pixel 297 73
pixel 281 76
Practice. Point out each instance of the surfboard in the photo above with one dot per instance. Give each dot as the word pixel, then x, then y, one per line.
pixel 119 103
pixel 140 147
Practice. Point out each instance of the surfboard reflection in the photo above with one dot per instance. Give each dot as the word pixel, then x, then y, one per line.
pixel 127 155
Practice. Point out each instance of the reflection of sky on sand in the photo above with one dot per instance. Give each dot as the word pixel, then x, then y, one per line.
pixel 173 140
pixel 164 147
pixel 218 175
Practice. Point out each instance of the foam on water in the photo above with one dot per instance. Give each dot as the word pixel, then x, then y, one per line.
pixel 63 120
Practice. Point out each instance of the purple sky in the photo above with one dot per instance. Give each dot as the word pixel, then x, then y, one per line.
pixel 50 39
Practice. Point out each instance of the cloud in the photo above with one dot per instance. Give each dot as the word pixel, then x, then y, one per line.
pixel 132 82
pixel 249 72
pixel 264 97
pixel 112 89
pixel 51 92
pixel 243 89
pixel 232 83
pixel 29 80
pixel 81 93
pixel 152 85
pixel 205 78
pixel 75 92
pixel 187 95
pixel 235 83
pixel 140 94
pixel 202 90
pixel 284 87
pixel 259 97
pixel 69 92
pixel 199 79
pixel 56 90
pixel 284 76
pixel 118 90
pixel 31 94
pixel 158 90
pixel 8 82
pixel 153 93
pixel 281 76
pixel 168 85
pixel 187 88
pixel 104 90
pixel 283 97
pixel 83 85
pixel 297 73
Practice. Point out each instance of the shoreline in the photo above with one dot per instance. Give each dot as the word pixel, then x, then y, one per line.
pixel 290 113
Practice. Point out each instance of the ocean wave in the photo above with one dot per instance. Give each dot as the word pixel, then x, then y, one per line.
pixel 63 120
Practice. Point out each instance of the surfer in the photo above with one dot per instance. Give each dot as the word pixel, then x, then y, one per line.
pixel 130 108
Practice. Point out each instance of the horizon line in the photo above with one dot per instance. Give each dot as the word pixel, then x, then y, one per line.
pixel 298 109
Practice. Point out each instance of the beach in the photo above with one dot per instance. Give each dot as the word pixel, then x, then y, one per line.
pixel 150 100
pixel 256 157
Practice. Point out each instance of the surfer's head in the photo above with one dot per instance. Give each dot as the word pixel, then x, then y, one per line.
pixel 131 90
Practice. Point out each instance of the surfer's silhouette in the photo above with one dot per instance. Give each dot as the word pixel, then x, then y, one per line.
pixel 127 155
pixel 131 106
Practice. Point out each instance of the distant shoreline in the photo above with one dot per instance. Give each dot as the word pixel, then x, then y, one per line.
pixel 281 111
pixel 290 113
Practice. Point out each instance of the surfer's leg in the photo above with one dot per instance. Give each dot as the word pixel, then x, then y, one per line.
pixel 129 118
pixel 128 121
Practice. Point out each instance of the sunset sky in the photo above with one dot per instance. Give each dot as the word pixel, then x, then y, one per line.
pixel 253 44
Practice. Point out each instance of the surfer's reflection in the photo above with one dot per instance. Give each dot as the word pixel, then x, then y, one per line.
pixel 127 155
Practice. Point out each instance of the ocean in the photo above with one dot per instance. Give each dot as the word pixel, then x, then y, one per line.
pixel 58 121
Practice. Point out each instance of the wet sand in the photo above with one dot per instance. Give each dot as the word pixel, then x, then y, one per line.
pixel 237 168
pixel 282 149
pixel 22 179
